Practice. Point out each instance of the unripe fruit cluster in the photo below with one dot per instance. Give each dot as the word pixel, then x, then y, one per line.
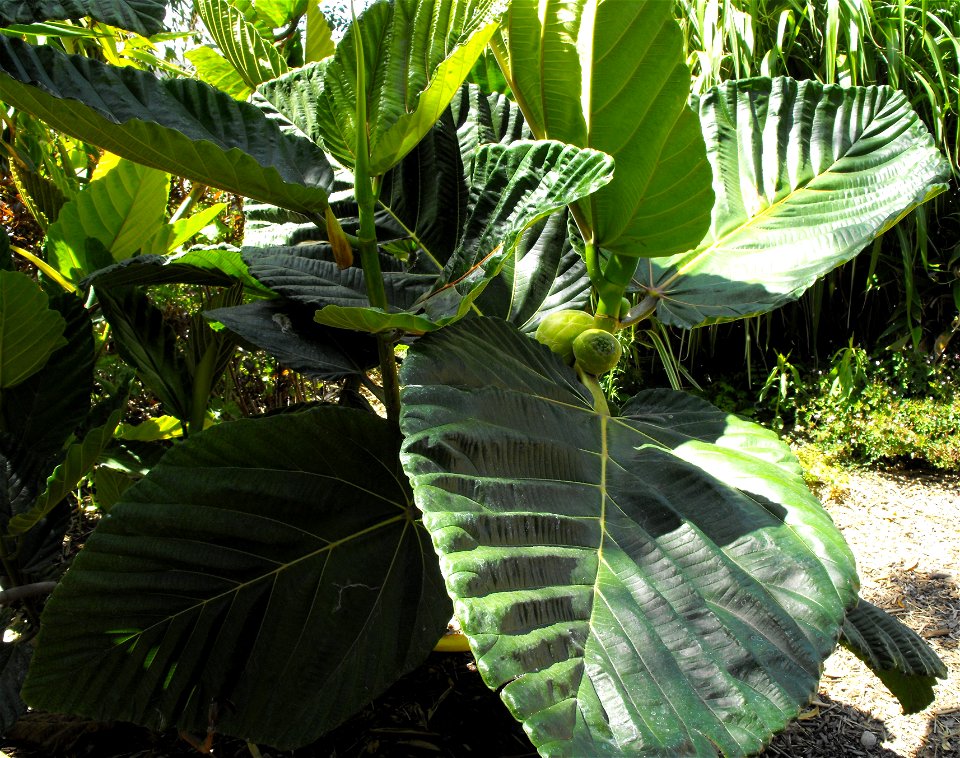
pixel 574 336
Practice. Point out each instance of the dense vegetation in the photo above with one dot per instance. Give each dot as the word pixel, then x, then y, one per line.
pixel 385 384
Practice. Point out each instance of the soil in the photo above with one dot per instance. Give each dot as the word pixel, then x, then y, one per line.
pixel 903 529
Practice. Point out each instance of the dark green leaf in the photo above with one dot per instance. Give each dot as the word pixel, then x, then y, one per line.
pixel 80 458
pixel 20 476
pixel 288 332
pixel 307 274
pixel 657 583
pixel 544 275
pixel 182 126
pixel 44 411
pixel 146 342
pixel 208 266
pixel 899 656
pixel 141 16
pixel 512 187
pixel 274 567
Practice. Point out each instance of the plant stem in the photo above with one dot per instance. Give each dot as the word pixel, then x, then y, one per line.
pixel 196 192
pixel 26 590
pixel 202 379
pixel 593 384
pixel 364 194
pixel 617 274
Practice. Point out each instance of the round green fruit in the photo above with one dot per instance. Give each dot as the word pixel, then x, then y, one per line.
pixel 558 331
pixel 597 351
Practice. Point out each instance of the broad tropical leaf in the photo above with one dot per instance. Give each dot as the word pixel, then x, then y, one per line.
pixel 805 177
pixel 544 274
pixel 416 54
pixel 122 208
pixel 141 16
pixel 372 320
pixel 210 266
pixel 218 72
pixel 319 44
pixel 79 460
pixel 251 55
pixel 657 583
pixel 288 332
pixel 181 126
pixel 149 344
pixel 308 274
pixel 512 187
pixel 895 653
pixel 171 236
pixel 43 411
pixel 30 331
pixel 611 76
pixel 41 195
pixel 261 562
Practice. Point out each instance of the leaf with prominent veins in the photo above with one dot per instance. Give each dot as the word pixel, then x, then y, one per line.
pixel 657 583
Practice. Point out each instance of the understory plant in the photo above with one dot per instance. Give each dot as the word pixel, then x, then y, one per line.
pixel 649 579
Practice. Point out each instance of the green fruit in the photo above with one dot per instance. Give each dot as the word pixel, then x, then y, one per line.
pixel 597 351
pixel 558 331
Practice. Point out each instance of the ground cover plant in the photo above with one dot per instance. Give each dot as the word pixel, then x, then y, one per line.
pixel 653 578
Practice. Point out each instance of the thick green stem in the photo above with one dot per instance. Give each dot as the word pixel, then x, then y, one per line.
pixel 367 243
pixel 593 384
pixel 202 381
pixel 617 274
pixel 196 192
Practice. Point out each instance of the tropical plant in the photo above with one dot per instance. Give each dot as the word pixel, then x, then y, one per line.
pixel 909 291
pixel 50 438
pixel 654 579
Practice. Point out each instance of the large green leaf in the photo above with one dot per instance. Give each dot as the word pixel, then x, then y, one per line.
pixel 805 177
pixel 656 583
pixel 218 72
pixel 210 266
pixel 512 186
pixel 611 75
pixel 416 54
pixel 253 57
pixel 178 125
pixel 274 567
pixel 43 411
pixel 122 208
pixel 30 330
pixel 288 332
pixel 141 16
pixel 149 344
pixel 77 463
pixel 895 653
pixel 176 233
pixel 545 274
pixel 308 274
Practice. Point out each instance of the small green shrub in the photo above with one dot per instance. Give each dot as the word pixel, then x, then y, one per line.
pixel 905 410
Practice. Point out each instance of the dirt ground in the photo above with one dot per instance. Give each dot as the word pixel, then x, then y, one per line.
pixel 903 528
